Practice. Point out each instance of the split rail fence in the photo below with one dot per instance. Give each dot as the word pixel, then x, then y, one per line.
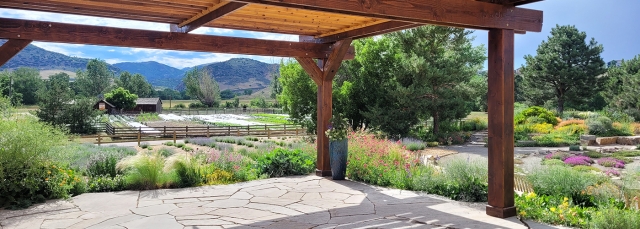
pixel 137 134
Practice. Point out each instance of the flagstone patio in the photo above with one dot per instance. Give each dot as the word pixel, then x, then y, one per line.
pixel 291 202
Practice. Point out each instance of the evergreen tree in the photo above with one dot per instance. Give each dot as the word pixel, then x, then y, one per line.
pixel 623 87
pixel 566 68
pixel 135 84
pixel 53 98
pixel 95 80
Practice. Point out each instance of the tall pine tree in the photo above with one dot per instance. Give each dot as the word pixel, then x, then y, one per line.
pixel 566 68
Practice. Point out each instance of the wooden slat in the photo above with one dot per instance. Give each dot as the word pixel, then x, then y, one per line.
pixel 373 30
pixel 371 23
pixel 216 4
pixel 463 13
pixel 10 48
pixel 219 12
pixel 99 35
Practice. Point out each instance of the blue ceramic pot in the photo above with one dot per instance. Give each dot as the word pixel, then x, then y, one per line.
pixel 338 152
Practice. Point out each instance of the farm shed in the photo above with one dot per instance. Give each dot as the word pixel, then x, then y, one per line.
pixel 325 28
pixel 103 105
pixel 148 105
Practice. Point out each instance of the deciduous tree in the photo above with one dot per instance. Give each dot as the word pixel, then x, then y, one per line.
pixel 566 68
pixel 95 80
pixel 121 98
pixel 136 84
pixel 623 87
pixel 200 85
pixel 53 99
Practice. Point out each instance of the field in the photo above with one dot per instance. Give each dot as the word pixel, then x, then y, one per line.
pixel 173 103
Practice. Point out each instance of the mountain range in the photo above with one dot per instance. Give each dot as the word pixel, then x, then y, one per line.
pixel 236 74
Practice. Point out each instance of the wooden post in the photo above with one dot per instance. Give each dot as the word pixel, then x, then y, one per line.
pixel 501 102
pixel 174 137
pixel 285 129
pixel 186 133
pixel 296 131
pixel 207 131
pixel 269 133
pixel 164 131
pixel 99 139
pixel 228 131
pixel 247 129
pixel 238 129
pixel 139 134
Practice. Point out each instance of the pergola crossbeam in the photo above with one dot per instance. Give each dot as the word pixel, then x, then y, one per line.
pixel 219 12
pixel 109 36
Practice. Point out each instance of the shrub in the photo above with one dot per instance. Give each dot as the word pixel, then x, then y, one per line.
pixel 542 128
pixel 629 153
pixel 469 177
pixel 535 111
pixel 535 120
pixel 180 145
pixel 219 177
pixel 180 105
pixel 79 156
pixel 612 172
pixel 282 162
pixel 557 155
pixel 551 162
pixel 104 183
pixel 574 148
pixel 197 105
pixel 593 154
pixel 599 125
pixel 145 172
pixel 168 143
pixel 556 139
pixel 432 144
pixel 570 122
pixel 611 162
pixel 552 209
pixel 148 117
pixel 521 132
pixel 578 160
pixel 560 180
pixel 614 218
pixel 189 172
pixel 586 168
pixel 475 124
pixel 166 152
pixel 144 145
pixel 103 165
pixel 413 144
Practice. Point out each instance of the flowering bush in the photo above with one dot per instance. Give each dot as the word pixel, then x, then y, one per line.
pixel 578 160
pixel 379 161
pixel 542 128
pixel 611 162
pixel 612 172
pixel 552 209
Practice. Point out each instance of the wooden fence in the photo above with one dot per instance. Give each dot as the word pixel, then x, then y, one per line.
pixel 208 111
pixel 133 134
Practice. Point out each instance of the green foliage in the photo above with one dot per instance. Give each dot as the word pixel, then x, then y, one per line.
pixel 136 84
pixel 180 105
pixel 148 117
pixel 103 165
pixel 25 166
pixel 629 153
pixel 81 117
pixel 566 69
pixel 146 172
pixel 259 102
pixel 197 105
pixel 200 85
pixel 26 82
pixel 554 209
pixel 53 98
pixel 553 162
pixel 614 218
pixel 599 125
pixel 539 112
pixel 298 96
pixel 95 80
pixel 121 98
pixel 622 88
pixel 413 144
pixel 105 183
pixel 227 94
pixel 474 124
pixel 168 143
pixel 593 154
pixel 574 148
pixel 80 156
pixel 586 168
pixel 189 172
pixel 561 180
pixel 281 162
pixel 166 152
pixel 247 92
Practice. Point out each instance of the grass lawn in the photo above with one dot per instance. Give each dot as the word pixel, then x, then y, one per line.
pixel 271 119
pixel 481 115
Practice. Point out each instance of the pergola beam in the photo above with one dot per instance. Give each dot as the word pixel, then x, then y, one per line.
pixel 11 48
pixel 208 17
pixel 457 13
pixel 109 36
pixel 369 31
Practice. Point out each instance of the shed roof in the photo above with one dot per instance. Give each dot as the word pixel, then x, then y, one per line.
pixel 105 101
pixel 148 101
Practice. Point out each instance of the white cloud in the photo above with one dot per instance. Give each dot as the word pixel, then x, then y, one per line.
pixel 111 50
pixel 114 60
pixel 66 49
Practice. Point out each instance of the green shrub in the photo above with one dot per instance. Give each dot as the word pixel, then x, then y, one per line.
pixel 180 105
pixel 79 156
pixel 599 125
pixel 558 210
pixel 165 152
pixel 432 144
pixel 538 112
pixel 197 105
pixel 103 165
pixel 25 165
pixel 189 172
pixel 614 218
pixel 629 153
pixel 104 183
pixel 475 124
pixel 187 148
pixel 282 162
pixel 593 154
pixel 574 148
pixel 413 144
pixel 561 180
pixel 586 168
pixel 168 143
pixel 144 145
pixel 535 120
pixel 145 172
pixel 552 162
pixel 180 145
pixel 462 179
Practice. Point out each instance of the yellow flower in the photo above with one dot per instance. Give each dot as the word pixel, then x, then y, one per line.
pixel 566 199
pixel 523 213
pixel 48 172
pixel 531 195
pixel 46 179
pixel 552 209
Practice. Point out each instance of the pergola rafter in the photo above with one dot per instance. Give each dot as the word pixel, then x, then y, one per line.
pixel 326 29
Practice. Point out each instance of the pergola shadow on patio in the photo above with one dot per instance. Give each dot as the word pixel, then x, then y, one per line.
pixel 291 202
pixel 326 29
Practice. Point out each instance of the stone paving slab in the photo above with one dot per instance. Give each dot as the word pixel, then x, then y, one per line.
pixel 290 202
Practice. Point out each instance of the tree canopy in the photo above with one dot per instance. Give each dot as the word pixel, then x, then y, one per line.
pixel 623 87
pixel 135 84
pixel 200 85
pixel 95 79
pixel 565 69
pixel 26 81
pixel 121 98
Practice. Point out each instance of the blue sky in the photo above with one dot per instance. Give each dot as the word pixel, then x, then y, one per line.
pixel 615 26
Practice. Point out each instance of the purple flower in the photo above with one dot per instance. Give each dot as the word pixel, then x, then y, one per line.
pixel 578 160
pixel 330 126
pixel 612 172
pixel 611 162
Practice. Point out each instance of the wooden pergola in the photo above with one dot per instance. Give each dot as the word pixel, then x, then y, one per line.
pixel 326 29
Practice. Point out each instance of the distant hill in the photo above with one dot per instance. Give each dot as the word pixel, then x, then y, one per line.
pixel 236 74
pixel 35 57
pixel 156 73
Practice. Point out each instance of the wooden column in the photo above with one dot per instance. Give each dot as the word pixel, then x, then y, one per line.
pixel 322 74
pixel 501 100
pixel 11 48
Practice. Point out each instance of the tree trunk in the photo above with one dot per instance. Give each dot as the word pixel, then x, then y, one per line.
pixel 560 107
pixel 436 123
